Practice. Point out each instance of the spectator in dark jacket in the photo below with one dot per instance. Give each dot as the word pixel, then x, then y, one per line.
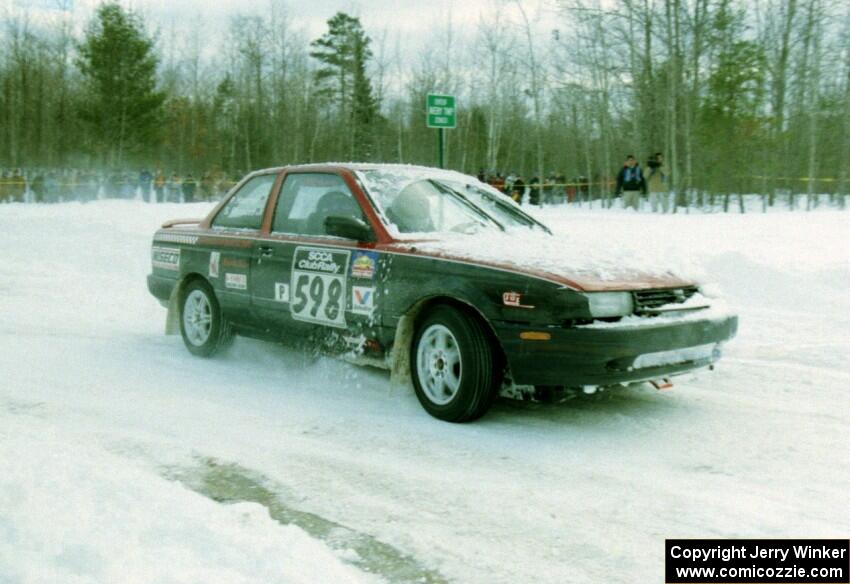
pixel 189 186
pixel 658 183
pixel 630 183
pixel 172 188
pixel 159 186
pixel 518 189
pixel 145 180
pixel 534 190
pixel 207 186
pixel 37 187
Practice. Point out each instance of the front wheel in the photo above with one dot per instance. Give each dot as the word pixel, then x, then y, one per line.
pixel 453 366
pixel 205 331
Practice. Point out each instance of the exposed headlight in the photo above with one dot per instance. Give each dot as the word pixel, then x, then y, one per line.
pixel 603 304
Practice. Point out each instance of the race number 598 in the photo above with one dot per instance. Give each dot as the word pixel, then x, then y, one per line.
pixel 319 298
pixel 318 285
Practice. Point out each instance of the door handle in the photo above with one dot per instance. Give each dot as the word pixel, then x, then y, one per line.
pixel 266 251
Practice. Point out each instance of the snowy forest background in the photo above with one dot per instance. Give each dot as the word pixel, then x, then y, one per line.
pixel 742 96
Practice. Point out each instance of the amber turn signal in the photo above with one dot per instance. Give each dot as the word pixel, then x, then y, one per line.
pixel 534 336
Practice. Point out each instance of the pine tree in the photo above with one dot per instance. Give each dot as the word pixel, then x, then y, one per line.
pixel 364 110
pixel 345 52
pixel 122 104
pixel 731 110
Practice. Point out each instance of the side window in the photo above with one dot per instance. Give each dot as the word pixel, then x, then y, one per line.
pixel 245 209
pixel 307 199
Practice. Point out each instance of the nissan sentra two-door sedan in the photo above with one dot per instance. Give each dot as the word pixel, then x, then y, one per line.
pixel 428 273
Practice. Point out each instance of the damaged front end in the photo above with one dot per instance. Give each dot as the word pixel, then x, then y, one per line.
pixel 654 341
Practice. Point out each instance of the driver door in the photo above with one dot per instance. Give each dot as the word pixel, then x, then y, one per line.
pixel 307 283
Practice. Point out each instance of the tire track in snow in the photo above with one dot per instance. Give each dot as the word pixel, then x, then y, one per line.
pixel 230 483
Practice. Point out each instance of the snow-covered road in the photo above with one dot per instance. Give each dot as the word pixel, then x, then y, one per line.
pixel 115 443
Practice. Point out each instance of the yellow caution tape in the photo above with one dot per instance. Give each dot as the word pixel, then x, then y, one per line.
pixel 802 178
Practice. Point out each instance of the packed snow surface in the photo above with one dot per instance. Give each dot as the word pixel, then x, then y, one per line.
pixel 99 412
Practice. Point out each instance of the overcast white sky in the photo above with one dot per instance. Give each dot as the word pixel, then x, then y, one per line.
pixel 412 20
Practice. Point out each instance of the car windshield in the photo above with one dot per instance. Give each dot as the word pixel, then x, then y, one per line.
pixel 419 201
pixel 495 204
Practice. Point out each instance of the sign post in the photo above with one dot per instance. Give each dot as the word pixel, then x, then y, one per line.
pixel 441 113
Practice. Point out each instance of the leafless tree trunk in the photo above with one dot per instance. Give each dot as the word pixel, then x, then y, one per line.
pixel 813 86
pixel 844 146
pixel 536 89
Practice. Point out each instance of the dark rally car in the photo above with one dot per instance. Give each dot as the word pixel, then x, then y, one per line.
pixel 430 274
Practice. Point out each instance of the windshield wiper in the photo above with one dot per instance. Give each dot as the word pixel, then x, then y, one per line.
pixel 511 210
pixel 481 212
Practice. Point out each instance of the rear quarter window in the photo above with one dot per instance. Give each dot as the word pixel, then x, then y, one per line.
pixel 245 209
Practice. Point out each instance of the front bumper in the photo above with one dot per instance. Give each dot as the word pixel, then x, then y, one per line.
pixel 161 287
pixel 613 354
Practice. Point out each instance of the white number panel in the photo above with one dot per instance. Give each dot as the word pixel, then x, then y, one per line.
pixel 318 288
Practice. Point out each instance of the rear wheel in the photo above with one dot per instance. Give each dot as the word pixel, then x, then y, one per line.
pixel 205 331
pixel 453 365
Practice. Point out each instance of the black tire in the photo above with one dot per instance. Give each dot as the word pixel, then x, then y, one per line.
pixel 474 375
pixel 219 335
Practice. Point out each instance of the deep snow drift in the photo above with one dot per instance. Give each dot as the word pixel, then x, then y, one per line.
pixel 100 414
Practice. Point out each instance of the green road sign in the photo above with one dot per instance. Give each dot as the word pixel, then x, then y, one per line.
pixel 440 110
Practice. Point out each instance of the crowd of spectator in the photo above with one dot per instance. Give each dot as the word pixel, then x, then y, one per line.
pixel 38 185
pixel 554 189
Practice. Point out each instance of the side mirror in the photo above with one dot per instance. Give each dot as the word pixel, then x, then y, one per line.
pixel 348 227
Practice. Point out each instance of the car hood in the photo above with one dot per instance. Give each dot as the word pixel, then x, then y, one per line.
pixel 560 259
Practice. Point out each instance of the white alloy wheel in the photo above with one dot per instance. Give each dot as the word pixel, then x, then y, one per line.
pixel 197 317
pixel 438 364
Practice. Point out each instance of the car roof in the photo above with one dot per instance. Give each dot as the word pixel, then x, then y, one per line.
pixel 360 166
pixel 439 173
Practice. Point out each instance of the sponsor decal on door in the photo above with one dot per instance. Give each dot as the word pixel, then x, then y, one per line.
pixel 228 262
pixel 215 259
pixel 364 264
pixel 166 258
pixel 318 285
pixel 362 300
pixel 236 281
pixel 281 292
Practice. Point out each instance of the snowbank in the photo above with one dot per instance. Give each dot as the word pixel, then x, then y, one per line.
pixel 71 509
pixel 74 512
